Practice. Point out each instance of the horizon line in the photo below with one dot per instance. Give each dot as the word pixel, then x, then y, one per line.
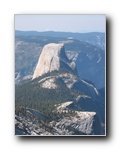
pixel 60 31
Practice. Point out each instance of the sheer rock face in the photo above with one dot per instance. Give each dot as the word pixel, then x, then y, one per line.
pixel 52 58
pixel 83 123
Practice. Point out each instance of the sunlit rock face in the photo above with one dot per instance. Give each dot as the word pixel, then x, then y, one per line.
pixel 52 58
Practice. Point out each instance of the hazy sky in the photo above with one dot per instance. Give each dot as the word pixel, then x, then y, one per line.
pixel 67 23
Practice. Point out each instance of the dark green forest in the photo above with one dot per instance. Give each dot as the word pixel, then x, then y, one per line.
pixel 32 95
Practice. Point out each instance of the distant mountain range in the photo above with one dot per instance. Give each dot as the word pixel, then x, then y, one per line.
pixel 94 38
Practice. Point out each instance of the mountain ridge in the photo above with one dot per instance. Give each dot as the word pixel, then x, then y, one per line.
pixel 94 38
pixel 51 89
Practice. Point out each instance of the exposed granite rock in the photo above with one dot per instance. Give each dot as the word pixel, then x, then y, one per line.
pixel 52 58
pixel 62 107
pixel 79 123
pixel 49 84
pixel 83 123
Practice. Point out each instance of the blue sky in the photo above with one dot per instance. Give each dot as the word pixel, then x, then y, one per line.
pixel 66 23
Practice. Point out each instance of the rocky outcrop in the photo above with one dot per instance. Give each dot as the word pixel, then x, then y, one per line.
pixel 56 72
pixel 82 123
pixel 63 107
pixel 85 103
pixel 49 84
pixel 52 58
pixel 26 126
pixel 79 123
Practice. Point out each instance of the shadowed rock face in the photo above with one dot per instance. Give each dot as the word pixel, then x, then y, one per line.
pixel 52 58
